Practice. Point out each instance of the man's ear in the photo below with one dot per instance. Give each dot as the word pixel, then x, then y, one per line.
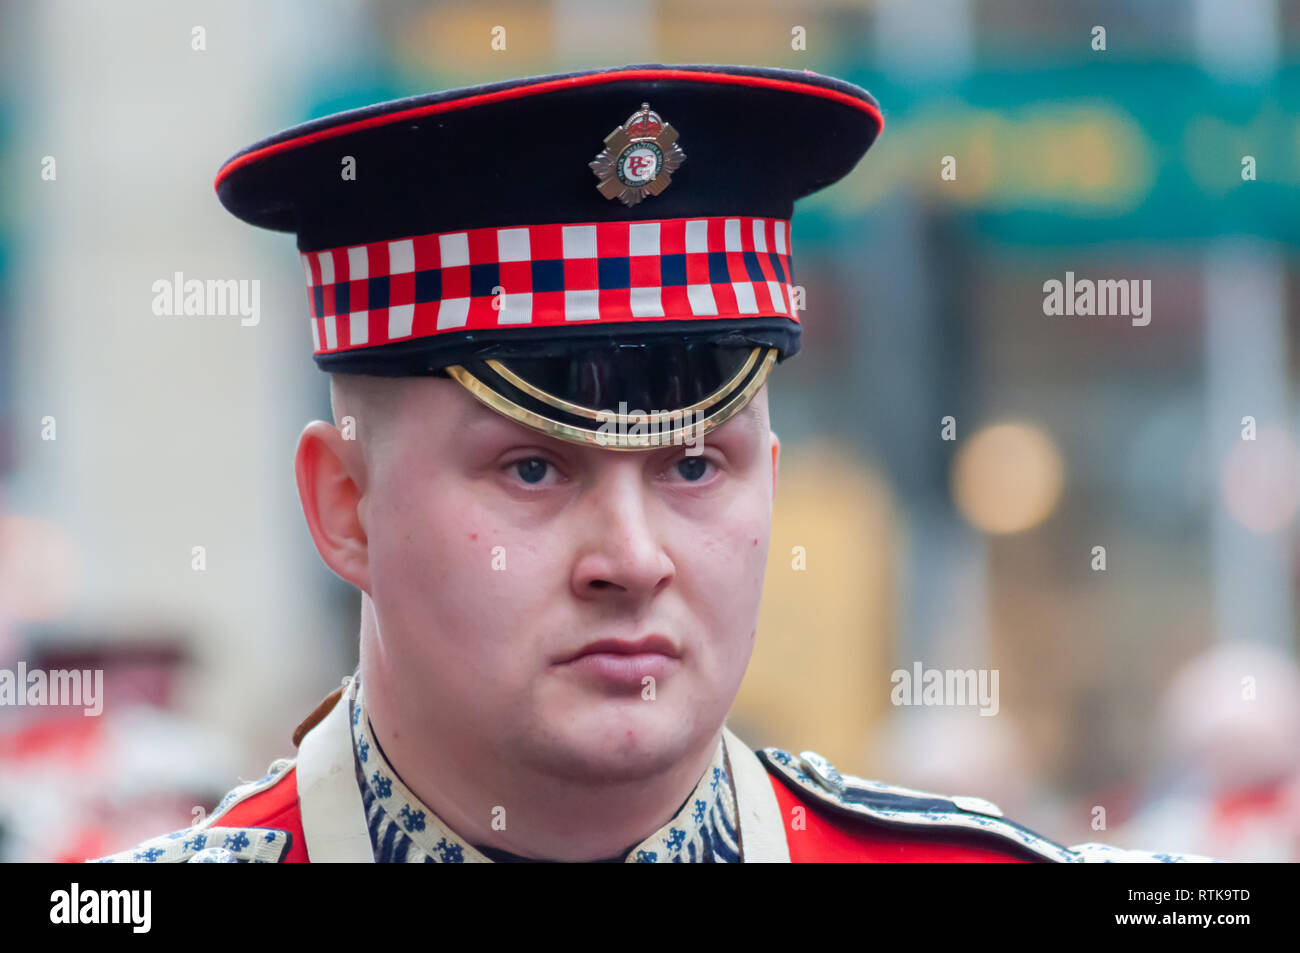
pixel 330 471
pixel 776 455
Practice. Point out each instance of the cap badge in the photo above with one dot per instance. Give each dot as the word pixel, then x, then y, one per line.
pixel 637 158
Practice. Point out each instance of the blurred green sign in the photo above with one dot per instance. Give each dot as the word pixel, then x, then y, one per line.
pixel 1098 152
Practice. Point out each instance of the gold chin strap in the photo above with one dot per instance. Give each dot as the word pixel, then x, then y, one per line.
pixel 614 436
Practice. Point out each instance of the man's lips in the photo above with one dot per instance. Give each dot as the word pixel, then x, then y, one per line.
pixel 650 645
pixel 623 665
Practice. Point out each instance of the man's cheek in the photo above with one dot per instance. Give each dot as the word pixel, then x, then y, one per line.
pixel 430 537
pixel 742 545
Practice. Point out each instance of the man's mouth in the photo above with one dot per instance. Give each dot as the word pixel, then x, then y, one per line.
pixel 632 664
pixel 650 645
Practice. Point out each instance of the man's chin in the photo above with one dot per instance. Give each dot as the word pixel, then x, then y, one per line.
pixel 614 744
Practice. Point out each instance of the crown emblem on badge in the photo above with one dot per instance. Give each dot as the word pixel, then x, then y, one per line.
pixel 638 158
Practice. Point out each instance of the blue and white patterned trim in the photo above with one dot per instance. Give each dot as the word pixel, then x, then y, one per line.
pixel 704 830
pixel 257 845
pixel 404 830
pixel 908 807
pixel 1094 853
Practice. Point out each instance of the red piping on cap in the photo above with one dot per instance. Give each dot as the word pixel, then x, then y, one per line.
pixel 529 90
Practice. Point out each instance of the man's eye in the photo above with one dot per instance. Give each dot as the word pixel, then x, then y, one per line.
pixel 531 470
pixel 692 469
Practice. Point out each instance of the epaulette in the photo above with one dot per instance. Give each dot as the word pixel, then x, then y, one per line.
pixel 210 842
pixel 900 807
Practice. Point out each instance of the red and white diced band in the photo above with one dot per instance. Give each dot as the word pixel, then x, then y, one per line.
pixel 538 275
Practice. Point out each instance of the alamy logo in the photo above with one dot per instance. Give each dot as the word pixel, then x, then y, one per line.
pixel 946 687
pixel 59 687
pixel 103 906
pixel 639 428
pixel 1109 296
pixel 214 297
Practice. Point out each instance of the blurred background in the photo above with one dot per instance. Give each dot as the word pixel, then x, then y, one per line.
pixel 952 457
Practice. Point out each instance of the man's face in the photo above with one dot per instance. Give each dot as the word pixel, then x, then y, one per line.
pixel 495 554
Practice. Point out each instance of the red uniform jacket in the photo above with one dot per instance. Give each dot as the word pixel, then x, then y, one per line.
pixel 823 816
pixel 823 836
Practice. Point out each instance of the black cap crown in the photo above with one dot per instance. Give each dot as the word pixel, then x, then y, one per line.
pixel 570 247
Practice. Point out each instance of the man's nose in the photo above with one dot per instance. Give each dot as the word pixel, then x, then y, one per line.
pixel 622 550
